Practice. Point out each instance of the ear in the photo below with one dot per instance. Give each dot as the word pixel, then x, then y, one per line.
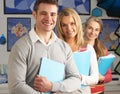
pixel 34 14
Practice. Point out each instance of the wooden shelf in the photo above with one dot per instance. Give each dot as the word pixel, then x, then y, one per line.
pixel 4 89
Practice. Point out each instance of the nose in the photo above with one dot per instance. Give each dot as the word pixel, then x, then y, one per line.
pixel 93 30
pixel 69 27
pixel 48 17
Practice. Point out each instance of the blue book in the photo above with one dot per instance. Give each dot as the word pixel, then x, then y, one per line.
pixel 82 60
pixel 54 71
pixel 105 62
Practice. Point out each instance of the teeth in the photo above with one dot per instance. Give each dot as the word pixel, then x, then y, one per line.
pixel 70 32
pixel 47 23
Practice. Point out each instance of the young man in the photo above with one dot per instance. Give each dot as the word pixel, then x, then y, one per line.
pixel 41 41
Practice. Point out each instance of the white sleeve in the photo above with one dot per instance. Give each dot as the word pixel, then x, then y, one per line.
pixel 94 74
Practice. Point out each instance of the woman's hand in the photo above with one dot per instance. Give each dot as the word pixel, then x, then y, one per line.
pixel 101 79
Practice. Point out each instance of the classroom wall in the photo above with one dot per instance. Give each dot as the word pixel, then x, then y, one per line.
pixel 4 54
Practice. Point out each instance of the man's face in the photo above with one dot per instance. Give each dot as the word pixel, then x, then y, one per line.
pixel 46 17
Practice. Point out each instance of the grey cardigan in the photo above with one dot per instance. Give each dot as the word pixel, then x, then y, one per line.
pixel 24 62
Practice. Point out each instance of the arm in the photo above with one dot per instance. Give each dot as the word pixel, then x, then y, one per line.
pixel 17 69
pixel 108 76
pixel 94 74
pixel 43 85
pixel 105 79
pixel 72 78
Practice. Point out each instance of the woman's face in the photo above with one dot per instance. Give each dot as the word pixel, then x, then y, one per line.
pixel 68 27
pixel 92 30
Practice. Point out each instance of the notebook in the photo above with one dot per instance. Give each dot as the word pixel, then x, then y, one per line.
pixel 105 62
pixel 82 60
pixel 52 70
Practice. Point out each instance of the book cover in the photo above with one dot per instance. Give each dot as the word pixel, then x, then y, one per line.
pixel 82 60
pixel 52 70
pixel 105 62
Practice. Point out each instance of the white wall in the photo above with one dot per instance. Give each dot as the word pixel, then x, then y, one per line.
pixel 4 54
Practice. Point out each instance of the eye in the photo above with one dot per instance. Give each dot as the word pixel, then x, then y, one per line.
pixel 53 14
pixel 43 13
pixel 89 27
pixel 72 23
pixel 63 25
pixel 97 30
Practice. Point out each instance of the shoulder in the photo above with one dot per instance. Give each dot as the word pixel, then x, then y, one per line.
pixel 23 42
pixel 62 42
pixel 90 47
pixel 63 45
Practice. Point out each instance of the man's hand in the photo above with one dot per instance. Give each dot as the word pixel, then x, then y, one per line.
pixel 42 84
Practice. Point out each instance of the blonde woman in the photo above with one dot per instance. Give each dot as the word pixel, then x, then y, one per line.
pixel 69 28
pixel 93 28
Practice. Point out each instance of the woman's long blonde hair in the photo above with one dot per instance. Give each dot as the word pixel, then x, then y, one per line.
pixel 76 17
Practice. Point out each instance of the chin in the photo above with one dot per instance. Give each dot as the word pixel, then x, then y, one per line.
pixel 91 38
pixel 48 29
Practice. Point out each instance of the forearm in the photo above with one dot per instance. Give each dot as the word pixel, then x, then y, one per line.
pixel 67 85
pixel 72 79
pixel 17 74
pixel 16 83
pixel 89 80
pixel 92 78
pixel 21 88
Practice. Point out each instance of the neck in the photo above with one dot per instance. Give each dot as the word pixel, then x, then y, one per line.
pixel 43 35
pixel 91 42
pixel 72 43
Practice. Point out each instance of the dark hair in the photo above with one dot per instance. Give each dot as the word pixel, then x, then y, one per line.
pixel 35 8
